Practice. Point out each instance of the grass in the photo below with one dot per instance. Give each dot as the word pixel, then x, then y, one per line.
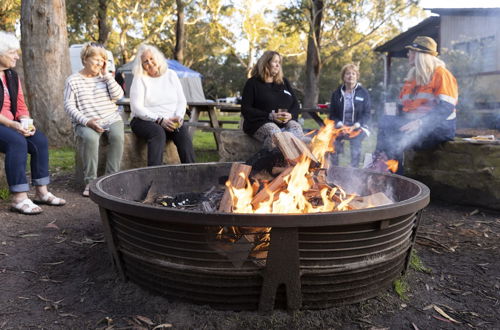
pixel 417 264
pixel 401 287
pixel 61 159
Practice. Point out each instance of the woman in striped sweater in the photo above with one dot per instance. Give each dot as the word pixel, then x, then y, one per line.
pixel 89 99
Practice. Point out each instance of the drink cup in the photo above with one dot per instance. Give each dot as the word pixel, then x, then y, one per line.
pixel 27 123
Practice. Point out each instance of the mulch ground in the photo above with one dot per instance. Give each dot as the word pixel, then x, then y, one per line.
pixel 55 273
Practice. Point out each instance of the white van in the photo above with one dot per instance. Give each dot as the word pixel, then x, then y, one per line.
pixel 76 62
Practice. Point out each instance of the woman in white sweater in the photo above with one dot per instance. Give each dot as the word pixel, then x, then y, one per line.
pixel 89 99
pixel 158 106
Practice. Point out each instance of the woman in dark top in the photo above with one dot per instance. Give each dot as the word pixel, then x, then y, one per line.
pixel 350 108
pixel 268 102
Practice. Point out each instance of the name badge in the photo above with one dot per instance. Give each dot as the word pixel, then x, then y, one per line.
pixel 359 98
pixel 287 92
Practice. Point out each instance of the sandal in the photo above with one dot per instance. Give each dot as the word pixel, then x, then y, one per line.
pixel 50 199
pixel 26 207
pixel 86 191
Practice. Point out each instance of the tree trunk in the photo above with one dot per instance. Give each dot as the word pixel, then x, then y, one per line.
pixel 102 21
pixel 313 61
pixel 44 45
pixel 180 33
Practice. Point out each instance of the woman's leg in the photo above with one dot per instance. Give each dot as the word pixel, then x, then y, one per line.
pixel 294 127
pixel 265 134
pixel 38 148
pixel 355 145
pixel 15 148
pixel 184 144
pixel 89 151
pixel 115 150
pixel 155 137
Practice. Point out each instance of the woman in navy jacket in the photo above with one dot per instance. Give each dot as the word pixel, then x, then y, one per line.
pixel 350 108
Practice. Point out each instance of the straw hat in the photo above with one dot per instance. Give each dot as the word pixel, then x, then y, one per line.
pixel 424 45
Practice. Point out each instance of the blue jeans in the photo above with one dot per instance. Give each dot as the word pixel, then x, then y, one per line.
pixel 16 148
pixel 355 145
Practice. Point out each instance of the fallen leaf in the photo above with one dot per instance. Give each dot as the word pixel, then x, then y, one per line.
pixel 426 308
pixel 28 235
pixel 144 319
pixel 163 325
pixel 476 211
pixel 414 326
pixel 440 311
pixel 441 319
pixel 54 263
pixel 67 315
pixel 52 225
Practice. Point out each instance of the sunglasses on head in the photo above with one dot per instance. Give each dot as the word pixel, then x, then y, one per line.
pixel 96 44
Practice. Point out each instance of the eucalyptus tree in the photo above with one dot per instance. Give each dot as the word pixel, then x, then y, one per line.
pixel 45 55
pixel 335 27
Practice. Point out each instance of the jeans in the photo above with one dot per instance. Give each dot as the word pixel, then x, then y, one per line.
pixel 156 138
pixel 90 149
pixel 355 144
pixel 16 148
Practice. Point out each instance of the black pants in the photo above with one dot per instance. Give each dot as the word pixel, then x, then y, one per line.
pixel 156 137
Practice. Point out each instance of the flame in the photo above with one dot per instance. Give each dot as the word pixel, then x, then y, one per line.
pixel 392 165
pixel 299 191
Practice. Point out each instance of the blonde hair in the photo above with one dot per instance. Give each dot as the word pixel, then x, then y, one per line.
pixel 160 60
pixel 8 42
pixel 263 68
pixel 350 66
pixel 425 65
pixel 91 49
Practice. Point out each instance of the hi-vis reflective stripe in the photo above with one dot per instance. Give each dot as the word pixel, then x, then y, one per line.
pixel 453 115
pixel 427 96
pixel 448 99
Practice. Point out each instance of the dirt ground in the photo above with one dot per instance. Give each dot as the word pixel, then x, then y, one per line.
pixel 55 274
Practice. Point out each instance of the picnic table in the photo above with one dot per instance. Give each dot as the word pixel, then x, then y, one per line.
pixel 215 124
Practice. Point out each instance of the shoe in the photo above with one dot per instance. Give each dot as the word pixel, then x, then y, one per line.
pixel 86 191
pixel 26 207
pixel 50 199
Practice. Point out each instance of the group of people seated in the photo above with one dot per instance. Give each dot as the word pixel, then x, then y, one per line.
pixel 158 105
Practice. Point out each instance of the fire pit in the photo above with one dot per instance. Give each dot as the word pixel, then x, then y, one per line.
pixel 313 261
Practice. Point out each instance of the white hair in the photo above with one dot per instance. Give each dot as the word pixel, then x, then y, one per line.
pixel 8 42
pixel 425 65
pixel 160 60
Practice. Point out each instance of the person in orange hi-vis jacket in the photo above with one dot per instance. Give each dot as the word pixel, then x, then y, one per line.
pixel 427 114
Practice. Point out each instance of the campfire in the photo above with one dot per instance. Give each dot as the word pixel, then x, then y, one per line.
pixel 298 185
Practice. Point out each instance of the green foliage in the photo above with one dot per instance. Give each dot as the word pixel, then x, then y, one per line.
pixel 10 14
pixel 401 287
pixel 417 264
pixel 4 193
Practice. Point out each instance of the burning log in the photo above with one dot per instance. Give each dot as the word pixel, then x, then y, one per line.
pixel 292 147
pixel 275 185
pixel 237 179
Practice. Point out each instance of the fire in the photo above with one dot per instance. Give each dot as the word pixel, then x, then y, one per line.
pixel 392 165
pixel 302 190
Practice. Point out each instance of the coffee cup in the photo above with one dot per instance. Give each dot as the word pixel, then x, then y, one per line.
pixel 27 123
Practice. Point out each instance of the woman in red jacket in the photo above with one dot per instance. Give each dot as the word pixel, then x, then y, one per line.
pixel 17 140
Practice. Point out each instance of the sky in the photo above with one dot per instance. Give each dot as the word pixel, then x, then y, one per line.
pixel 459 3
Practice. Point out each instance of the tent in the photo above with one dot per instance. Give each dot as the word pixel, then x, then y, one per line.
pixel 190 80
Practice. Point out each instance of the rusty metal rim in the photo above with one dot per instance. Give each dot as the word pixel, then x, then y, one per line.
pixel 111 202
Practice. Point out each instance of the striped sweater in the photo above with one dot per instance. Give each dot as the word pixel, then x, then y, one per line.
pixel 87 98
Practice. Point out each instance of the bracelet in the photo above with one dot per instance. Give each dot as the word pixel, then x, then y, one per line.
pixel 159 121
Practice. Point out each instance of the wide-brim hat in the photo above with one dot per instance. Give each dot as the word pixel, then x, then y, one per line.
pixel 424 45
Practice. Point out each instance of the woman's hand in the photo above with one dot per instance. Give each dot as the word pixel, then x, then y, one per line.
pixel 19 128
pixel 171 124
pixel 281 117
pixel 94 124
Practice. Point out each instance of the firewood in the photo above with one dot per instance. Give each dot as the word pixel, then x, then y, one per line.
pixel 276 184
pixel 292 147
pixel 277 170
pixel 226 203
